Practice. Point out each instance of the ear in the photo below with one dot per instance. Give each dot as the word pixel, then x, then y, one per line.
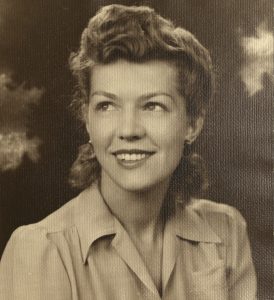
pixel 194 129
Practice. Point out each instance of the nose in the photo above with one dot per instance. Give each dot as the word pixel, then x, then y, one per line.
pixel 130 127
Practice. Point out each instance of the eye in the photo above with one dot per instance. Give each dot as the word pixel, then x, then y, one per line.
pixel 105 106
pixel 155 106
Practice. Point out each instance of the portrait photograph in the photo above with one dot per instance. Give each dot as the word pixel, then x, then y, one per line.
pixel 136 150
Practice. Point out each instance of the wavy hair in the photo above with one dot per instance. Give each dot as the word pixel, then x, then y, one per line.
pixel 139 34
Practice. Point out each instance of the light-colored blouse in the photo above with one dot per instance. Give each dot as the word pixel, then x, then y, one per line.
pixel 82 251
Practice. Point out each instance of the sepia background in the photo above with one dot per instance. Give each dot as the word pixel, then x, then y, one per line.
pixel 39 137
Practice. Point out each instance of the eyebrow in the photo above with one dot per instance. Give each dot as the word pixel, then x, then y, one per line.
pixel 151 95
pixel 143 97
pixel 102 93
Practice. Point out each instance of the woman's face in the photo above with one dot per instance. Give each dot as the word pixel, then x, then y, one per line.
pixel 137 122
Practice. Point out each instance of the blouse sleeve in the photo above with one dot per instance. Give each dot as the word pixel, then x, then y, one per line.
pixel 242 278
pixel 31 268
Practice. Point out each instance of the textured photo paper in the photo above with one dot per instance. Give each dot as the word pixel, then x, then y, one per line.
pixel 40 137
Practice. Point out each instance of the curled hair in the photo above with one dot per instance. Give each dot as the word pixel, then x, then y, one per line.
pixel 139 34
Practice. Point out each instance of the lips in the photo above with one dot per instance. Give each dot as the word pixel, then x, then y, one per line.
pixel 132 156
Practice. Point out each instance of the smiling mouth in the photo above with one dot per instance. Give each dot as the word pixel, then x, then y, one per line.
pixel 132 156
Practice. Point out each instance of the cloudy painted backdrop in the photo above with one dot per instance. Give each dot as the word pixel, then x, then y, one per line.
pixel 39 138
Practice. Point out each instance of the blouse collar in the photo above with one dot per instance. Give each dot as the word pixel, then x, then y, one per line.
pixel 94 220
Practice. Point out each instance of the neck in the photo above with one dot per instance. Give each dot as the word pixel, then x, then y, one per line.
pixel 138 211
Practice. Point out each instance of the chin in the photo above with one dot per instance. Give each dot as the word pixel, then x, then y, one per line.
pixel 140 185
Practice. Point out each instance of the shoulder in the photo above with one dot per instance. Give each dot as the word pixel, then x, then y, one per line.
pixel 226 221
pixel 211 209
pixel 37 235
pixel 32 265
pixel 60 220
pixel 40 249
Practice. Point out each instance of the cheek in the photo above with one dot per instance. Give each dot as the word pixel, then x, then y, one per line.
pixel 173 149
pixel 100 133
pixel 170 140
pixel 100 141
pixel 169 133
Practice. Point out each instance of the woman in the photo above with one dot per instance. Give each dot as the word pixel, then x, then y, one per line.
pixel 137 231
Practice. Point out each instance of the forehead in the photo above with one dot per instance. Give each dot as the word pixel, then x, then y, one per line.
pixel 123 76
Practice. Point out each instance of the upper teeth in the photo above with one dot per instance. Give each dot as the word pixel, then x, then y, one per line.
pixel 127 156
